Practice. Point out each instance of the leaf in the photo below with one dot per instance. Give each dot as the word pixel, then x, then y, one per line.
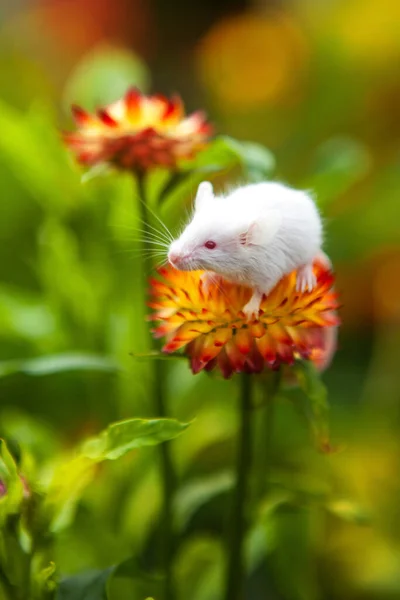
pixel 221 156
pixel 156 355
pixel 201 566
pixel 199 492
pixel 31 147
pixel 349 511
pixel 221 153
pixel 13 494
pixel 64 490
pixel 339 163
pixel 258 162
pixel 44 582
pixel 366 227
pixel 217 158
pixel 316 407
pixel 36 436
pixel 59 363
pixel 158 181
pixel 104 75
pixel 256 547
pixel 122 437
pixel 130 582
pixel 85 586
pixel 24 315
pixel 291 535
pixel 70 477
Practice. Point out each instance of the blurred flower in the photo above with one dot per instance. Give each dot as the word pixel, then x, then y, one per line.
pixel 253 59
pixel 214 332
pixel 137 133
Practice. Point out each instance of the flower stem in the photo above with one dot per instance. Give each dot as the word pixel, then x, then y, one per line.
pixel 265 433
pixel 234 589
pixel 167 469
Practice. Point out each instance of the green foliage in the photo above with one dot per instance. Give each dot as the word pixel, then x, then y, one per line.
pixel 12 497
pixel 87 586
pixel 80 519
pixel 315 404
pixel 58 363
pixel 120 438
pixel 338 164
pixel 31 516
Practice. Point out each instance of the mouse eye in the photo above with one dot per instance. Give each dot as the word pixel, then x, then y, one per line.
pixel 210 245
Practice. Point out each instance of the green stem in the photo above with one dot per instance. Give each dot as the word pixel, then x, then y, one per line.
pixel 6 587
pixel 167 469
pixel 265 433
pixel 234 589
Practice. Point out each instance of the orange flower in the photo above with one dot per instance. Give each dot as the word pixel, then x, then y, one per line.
pixel 137 133
pixel 214 333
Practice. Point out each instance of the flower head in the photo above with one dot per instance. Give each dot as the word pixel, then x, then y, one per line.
pixel 214 333
pixel 137 133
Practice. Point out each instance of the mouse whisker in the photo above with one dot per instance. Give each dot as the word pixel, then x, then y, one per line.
pixel 149 239
pixel 154 214
pixel 156 233
pixel 160 232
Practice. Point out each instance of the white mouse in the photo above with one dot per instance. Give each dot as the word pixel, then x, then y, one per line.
pixel 252 236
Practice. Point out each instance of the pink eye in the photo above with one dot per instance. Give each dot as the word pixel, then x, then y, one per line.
pixel 210 245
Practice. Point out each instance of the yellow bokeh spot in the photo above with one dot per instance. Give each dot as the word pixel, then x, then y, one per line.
pixel 252 59
pixel 366 31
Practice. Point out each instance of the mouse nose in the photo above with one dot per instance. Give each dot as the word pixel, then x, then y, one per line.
pixel 174 258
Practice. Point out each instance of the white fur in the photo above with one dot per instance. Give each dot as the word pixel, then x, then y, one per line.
pixel 263 231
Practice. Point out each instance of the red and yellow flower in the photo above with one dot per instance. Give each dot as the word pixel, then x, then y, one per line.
pixel 138 132
pixel 212 330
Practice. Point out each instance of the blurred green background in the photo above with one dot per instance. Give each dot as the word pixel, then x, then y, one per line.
pixel 318 83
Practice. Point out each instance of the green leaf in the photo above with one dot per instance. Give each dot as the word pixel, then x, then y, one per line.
pixel 217 158
pixel 199 492
pixel 158 182
pixel 201 566
pixel 69 479
pixel 339 163
pixel 155 355
pixel 85 586
pixel 258 162
pixel 14 490
pixel 316 406
pixel 58 363
pixel 120 438
pixel 349 511
pixel 221 156
pixel 130 582
pixel 30 145
pixel 104 75
pixel 291 532
pixel 24 315
pixel 44 582
pixel 224 153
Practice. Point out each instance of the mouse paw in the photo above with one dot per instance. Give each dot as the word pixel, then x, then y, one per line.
pixel 306 279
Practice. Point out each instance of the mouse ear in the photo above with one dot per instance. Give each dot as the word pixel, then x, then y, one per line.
pixel 205 192
pixel 263 230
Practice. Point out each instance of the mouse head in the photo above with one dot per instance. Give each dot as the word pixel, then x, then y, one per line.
pixel 215 239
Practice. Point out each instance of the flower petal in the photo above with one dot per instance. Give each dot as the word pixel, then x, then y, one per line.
pixel 214 333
